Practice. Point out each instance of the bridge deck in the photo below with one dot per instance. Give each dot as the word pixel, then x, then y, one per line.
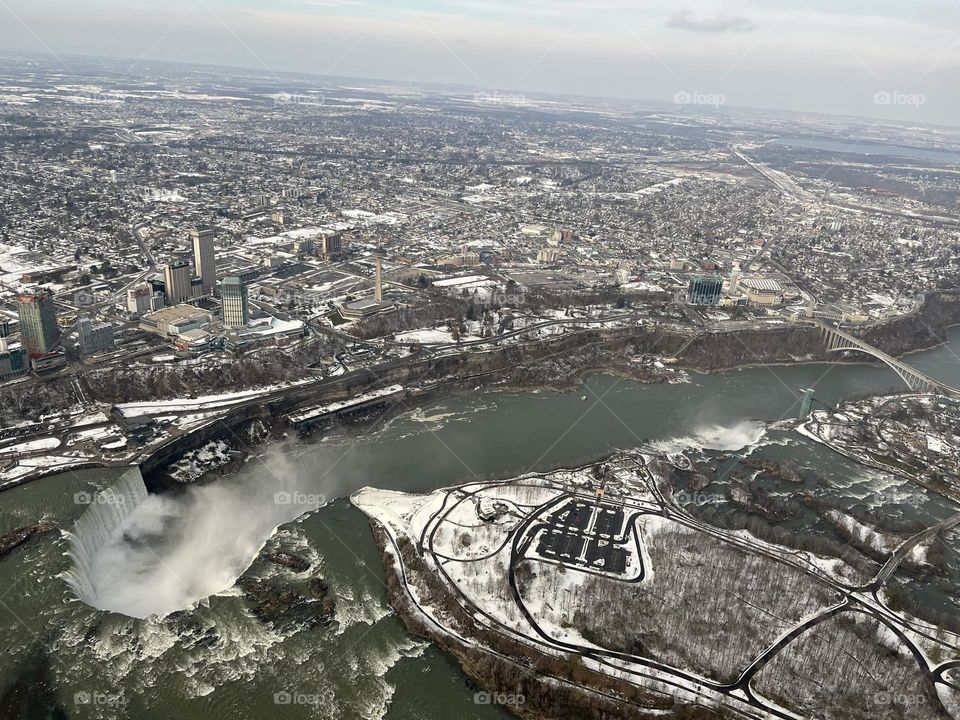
pixel 838 340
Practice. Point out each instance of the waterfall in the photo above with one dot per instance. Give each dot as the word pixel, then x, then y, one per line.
pixel 146 555
pixel 108 511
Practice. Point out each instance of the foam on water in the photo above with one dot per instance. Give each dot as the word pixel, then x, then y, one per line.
pixel 143 654
pixel 413 423
pixel 740 435
pixel 368 608
pixel 373 662
pixel 438 416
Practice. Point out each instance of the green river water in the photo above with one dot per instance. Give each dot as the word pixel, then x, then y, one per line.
pixel 215 660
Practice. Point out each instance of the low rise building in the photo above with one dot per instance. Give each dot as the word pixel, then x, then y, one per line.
pixel 176 320
pixel 364 307
pixel 264 331
pixel 143 299
pixel 197 341
pixel 763 291
pixel 548 256
pixel 467 259
pixel 48 362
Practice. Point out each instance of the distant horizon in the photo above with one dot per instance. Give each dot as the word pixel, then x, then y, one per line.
pixel 693 112
pixel 879 59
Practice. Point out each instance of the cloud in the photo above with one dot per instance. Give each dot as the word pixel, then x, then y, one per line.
pixel 686 20
pixel 327 3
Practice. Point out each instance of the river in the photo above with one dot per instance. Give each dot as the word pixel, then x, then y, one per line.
pixel 862 147
pixel 216 660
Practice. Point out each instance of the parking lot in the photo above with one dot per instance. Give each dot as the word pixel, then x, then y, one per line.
pixel 584 534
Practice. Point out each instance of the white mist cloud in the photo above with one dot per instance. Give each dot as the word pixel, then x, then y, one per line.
pixel 175 549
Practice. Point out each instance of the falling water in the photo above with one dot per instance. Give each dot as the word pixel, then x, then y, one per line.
pixel 108 511
pixel 150 555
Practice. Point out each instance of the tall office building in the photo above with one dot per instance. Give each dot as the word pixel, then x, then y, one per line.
pixel 705 290
pixel 94 337
pixel 203 257
pixel 233 302
pixel 176 281
pixel 38 322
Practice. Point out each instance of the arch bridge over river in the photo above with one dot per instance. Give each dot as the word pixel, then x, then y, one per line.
pixel 838 340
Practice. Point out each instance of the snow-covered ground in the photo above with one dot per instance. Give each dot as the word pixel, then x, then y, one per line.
pixel 30 446
pixel 434 336
pixel 468 535
pixel 331 407
pixel 202 403
pixel 197 462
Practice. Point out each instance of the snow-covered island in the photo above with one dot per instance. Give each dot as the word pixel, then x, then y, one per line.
pixel 916 436
pixel 592 592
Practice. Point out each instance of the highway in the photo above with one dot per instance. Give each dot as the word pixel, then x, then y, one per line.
pixel 783 182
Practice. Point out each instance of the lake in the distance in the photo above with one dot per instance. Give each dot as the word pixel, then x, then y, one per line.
pixel 860 147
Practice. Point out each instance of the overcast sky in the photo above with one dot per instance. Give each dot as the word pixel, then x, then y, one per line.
pixel 880 58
